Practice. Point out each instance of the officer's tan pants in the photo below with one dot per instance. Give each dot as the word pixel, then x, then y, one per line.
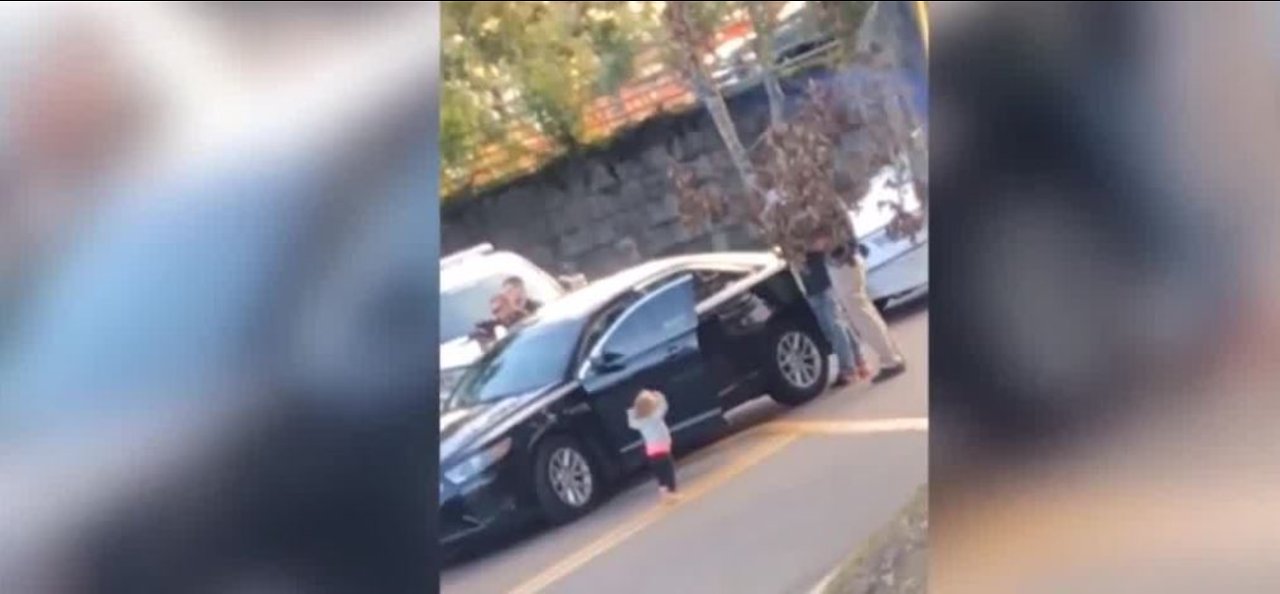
pixel 849 284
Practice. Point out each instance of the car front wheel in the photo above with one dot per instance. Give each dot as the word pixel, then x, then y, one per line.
pixel 567 481
pixel 797 366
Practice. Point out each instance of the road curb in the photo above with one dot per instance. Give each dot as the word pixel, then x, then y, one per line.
pixel 836 580
pixel 821 587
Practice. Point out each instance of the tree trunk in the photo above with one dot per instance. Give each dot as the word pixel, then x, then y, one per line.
pixel 696 72
pixel 719 111
pixel 762 22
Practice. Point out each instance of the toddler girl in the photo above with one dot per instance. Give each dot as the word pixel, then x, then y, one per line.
pixel 648 416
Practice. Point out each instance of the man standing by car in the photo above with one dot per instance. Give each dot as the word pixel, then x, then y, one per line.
pixel 786 222
pixel 848 275
pixel 816 279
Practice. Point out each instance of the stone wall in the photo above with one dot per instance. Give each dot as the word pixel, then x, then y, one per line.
pixel 576 210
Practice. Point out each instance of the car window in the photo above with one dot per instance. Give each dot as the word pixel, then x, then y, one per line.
pixel 710 282
pixel 655 318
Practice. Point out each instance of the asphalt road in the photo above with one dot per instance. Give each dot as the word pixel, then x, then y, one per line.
pixel 769 509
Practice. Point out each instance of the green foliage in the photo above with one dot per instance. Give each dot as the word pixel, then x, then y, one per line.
pixel 506 61
pixel 521 77
pixel 617 32
pixel 705 18
pixel 518 70
pixel 689 30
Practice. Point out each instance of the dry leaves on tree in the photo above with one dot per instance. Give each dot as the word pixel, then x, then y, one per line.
pixel 817 178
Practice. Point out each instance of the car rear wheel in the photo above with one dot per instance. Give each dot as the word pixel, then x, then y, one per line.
pixel 567 480
pixel 797 366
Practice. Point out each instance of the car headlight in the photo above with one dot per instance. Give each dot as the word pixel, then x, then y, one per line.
pixel 479 462
pixel 449 379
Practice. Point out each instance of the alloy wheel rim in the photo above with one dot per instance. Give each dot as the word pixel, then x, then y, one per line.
pixel 799 359
pixel 570 477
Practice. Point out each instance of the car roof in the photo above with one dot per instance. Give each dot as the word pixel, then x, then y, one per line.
pixel 474 268
pixel 587 300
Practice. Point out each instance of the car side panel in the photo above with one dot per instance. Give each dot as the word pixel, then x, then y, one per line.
pixel 732 333
pixel 672 364
pixel 568 415
pixel 906 274
pixel 677 369
pixel 575 416
pixel 505 493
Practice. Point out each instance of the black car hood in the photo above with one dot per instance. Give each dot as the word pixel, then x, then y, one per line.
pixel 462 429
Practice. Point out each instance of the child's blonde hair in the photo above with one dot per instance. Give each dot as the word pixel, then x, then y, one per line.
pixel 646 403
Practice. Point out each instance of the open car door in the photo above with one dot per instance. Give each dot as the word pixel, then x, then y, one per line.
pixel 654 344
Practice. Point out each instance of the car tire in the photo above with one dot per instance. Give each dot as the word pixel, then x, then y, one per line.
pixel 567 480
pixel 797 365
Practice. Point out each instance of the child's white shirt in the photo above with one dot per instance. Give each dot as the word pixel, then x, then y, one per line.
pixel 657 437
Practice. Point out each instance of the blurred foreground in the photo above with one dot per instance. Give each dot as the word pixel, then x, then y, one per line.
pixel 1103 381
pixel 217 317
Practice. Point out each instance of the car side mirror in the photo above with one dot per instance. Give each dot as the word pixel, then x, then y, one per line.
pixel 608 362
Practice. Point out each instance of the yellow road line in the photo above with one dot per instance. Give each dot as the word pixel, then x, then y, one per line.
pixel 616 536
pixel 781 434
pixel 847 427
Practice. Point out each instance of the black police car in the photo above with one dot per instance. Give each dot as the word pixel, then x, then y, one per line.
pixel 538 425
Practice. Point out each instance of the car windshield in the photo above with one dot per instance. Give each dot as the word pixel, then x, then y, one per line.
pixel 463 306
pixel 529 358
